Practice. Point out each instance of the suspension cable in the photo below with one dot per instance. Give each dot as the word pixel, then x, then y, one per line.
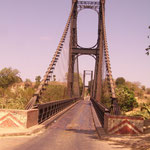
pixel 52 65
pixel 106 53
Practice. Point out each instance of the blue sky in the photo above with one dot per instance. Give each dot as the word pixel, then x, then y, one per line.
pixel 31 29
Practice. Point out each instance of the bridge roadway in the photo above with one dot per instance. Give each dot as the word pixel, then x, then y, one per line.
pixel 74 130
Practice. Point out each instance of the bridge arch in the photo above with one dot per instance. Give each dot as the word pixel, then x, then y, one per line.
pixel 87 29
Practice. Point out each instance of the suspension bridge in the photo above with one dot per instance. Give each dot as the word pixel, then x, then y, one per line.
pixel 75 129
pixel 99 52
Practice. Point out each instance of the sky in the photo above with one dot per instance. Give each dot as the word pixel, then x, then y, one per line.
pixel 30 31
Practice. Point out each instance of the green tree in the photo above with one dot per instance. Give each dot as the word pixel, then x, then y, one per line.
pixel 136 88
pixel 143 87
pixel 9 76
pixel 120 81
pixel 54 91
pixel 89 86
pixel 148 91
pixel 54 77
pixel 16 99
pixel 126 98
pixel 37 79
pixel 27 83
pixel 106 97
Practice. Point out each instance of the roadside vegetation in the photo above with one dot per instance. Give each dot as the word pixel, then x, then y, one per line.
pixel 133 98
pixel 54 91
pixel 15 94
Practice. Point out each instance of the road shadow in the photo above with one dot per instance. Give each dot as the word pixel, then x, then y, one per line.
pixel 90 133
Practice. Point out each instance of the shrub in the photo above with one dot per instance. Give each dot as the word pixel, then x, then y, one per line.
pixel 120 81
pixel 17 99
pixel 126 98
pixel 9 76
pixel 148 90
pixel 136 88
pixel 54 92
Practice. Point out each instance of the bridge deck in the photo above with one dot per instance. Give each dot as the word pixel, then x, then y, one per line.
pixel 72 131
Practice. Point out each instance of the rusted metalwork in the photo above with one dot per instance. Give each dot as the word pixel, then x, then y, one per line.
pixel 72 43
pixel 49 71
pixel 75 49
pixel 106 53
pixel 99 62
pixel 115 106
pixel 99 50
pixel 88 5
pixel 84 51
pixel 100 110
pixel 48 110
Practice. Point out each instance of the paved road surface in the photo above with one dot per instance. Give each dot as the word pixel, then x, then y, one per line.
pixel 72 131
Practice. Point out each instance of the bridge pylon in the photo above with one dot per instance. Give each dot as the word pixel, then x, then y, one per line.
pixel 96 51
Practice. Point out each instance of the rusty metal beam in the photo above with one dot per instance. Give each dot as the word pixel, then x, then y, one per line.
pixel 84 51
pixel 73 43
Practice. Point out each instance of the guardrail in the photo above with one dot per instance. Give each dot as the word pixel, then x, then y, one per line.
pixel 47 110
pixel 100 110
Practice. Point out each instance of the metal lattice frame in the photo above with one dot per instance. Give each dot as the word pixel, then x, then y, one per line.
pixel 88 5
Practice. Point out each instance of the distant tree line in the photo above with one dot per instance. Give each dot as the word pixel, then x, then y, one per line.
pixel 15 94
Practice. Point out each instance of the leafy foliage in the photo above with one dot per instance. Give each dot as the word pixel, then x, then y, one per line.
pixel 106 100
pixel 8 76
pixel 15 99
pixel 80 84
pixel 37 81
pixel 15 96
pixel 136 88
pixel 28 83
pixel 126 98
pixel 148 90
pixel 144 112
pixel 120 81
pixel 125 93
pixel 54 91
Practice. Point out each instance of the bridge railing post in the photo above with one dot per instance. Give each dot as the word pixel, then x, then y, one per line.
pixel 115 108
pixel 100 110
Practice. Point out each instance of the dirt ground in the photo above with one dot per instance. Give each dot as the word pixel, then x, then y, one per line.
pixel 140 142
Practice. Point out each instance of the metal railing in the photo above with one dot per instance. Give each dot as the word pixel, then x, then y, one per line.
pixel 47 110
pixel 100 110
